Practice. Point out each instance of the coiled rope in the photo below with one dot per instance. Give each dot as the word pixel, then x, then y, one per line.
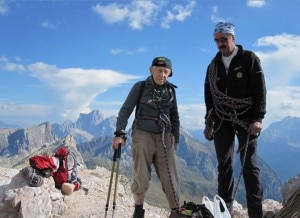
pixel 227 109
pixel 32 176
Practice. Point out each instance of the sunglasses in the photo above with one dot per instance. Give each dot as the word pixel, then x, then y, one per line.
pixel 222 40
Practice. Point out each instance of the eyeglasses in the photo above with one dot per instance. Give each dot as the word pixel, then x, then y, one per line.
pixel 222 40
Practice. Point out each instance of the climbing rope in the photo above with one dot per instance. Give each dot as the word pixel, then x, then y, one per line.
pixel 227 109
pixel 166 127
pixel 33 177
pixel 165 124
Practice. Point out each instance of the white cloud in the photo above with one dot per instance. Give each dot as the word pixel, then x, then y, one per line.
pixel 178 13
pixel 138 13
pixel 48 24
pixel 215 9
pixel 192 115
pixel 282 102
pixel 24 115
pixel 141 13
pixel 116 51
pixel 8 66
pixel 256 3
pixel 3 7
pixel 279 57
pixel 112 13
pixel 215 18
pixel 74 89
pixel 3 59
pixel 141 49
pixel 281 63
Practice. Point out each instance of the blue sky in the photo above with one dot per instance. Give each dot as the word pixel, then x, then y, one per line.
pixel 60 58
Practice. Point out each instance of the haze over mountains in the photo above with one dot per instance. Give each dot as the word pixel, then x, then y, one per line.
pixel 278 146
pixel 196 160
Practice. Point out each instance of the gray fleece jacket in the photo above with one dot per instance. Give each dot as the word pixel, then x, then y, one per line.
pixel 150 102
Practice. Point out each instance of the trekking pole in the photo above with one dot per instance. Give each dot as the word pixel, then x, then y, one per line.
pixel 111 177
pixel 110 181
pixel 116 181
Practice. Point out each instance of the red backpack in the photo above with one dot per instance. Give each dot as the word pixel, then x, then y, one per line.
pixel 64 173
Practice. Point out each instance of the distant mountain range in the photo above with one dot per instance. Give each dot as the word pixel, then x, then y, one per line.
pixel 4 125
pixel 278 146
pixel 196 160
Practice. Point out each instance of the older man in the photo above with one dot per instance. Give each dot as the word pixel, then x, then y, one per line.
pixel 155 134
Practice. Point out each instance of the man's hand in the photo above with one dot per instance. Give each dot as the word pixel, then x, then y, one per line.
pixel 255 128
pixel 208 133
pixel 116 141
pixel 175 146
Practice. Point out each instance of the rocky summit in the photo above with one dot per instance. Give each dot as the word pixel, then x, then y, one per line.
pixel 18 199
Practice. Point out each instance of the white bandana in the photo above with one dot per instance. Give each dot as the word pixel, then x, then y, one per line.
pixel 222 27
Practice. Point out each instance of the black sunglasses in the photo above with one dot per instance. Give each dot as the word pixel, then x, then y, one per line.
pixel 222 39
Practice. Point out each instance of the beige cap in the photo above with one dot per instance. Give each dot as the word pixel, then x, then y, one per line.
pixel 67 188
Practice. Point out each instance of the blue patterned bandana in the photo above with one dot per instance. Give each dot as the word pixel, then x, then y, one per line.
pixel 222 27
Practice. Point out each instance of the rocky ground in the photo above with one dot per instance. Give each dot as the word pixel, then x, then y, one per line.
pixel 93 203
pixel 19 200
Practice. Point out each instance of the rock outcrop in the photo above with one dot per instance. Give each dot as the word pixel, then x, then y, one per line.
pixel 17 199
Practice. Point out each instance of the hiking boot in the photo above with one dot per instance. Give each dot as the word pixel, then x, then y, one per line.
pixel 174 214
pixel 229 206
pixel 138 213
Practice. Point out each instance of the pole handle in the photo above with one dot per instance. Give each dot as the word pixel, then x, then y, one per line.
pixel 119 151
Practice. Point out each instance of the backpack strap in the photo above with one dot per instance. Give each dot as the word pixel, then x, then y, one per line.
pixel 74 170
pixel 142 88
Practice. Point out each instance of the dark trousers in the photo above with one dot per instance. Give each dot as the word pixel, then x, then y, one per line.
pixel 224 139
